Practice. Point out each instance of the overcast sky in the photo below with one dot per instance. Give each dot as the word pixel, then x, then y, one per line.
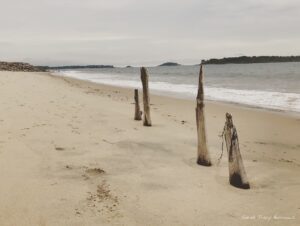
pixel 148 32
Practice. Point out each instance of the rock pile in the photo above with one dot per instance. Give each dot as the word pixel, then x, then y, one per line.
pixel 18 66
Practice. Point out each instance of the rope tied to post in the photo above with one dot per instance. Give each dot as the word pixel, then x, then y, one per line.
pixel 228 124
pixel 222 136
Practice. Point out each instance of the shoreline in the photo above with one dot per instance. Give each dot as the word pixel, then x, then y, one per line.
pixel 156 94
pixel 72 154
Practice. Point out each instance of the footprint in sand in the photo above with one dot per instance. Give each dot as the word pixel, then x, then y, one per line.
pixel 59 148
pixel 94 171
pixel 103 200
pixel 25 129
pixel 88 172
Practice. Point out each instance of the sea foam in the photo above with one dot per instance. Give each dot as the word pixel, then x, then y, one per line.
pixel 256 98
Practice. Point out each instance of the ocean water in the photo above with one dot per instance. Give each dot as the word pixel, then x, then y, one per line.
pixel 272 86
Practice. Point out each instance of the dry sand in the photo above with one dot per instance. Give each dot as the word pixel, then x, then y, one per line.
pixel 71 154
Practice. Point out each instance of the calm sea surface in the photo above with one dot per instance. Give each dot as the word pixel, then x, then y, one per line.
pixel 273 85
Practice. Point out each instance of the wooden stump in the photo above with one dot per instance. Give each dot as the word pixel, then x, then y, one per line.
pixel 237 173
pixel 138 112
pixel 146 97
pixel 203 155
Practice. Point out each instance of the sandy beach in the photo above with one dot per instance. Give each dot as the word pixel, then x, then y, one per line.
pixel 71 154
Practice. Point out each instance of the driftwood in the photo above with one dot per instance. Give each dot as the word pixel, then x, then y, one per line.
pixel 146 98
pixel 138 112
pixel 203 155
pixel 237 173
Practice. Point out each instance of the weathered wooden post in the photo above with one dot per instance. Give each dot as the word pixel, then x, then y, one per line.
pixel 146 97
pixel 203 155
pixel 138 112
pixel 237 173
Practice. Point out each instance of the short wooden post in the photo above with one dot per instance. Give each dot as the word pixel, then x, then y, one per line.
pixel 138 113
pixel 237 173
pixel 146 97
pixel 203 155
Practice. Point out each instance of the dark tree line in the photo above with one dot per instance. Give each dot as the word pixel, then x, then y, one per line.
pixel 75 67
pixel 252 59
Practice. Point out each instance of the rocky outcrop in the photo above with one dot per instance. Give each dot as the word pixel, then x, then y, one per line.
pixel 18 66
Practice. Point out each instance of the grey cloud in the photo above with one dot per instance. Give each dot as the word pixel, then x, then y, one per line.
pixel 137 32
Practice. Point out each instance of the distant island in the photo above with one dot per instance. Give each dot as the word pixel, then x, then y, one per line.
pixel 75 67
pixel 169 64
pixel 252 59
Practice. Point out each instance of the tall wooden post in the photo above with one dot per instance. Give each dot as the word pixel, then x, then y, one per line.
pixel 237 173
pixel 146 97
pixel 138 113
pixel 203 155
